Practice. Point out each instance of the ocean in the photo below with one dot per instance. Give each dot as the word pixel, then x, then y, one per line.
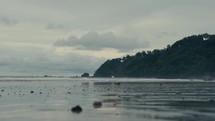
pixel 122 99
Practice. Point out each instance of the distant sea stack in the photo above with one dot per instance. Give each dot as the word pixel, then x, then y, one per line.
pixel 85 75
pixel 191 57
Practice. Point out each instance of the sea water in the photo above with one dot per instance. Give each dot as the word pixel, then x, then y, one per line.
pixel 123 99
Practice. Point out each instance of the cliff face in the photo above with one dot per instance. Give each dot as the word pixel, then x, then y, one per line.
pixel 193 56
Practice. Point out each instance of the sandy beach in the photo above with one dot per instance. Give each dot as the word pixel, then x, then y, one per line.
pixel 51 99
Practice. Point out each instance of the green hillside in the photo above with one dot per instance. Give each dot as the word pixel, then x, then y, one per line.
pixel 191 57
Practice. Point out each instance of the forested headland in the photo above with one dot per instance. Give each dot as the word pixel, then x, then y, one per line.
pixel 190 57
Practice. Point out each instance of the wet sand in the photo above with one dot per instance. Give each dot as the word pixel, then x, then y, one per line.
pixel 51 99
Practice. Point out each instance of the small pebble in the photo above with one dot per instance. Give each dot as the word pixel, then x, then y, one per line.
pixel 212 101
pixel 118 83
pixel 177 93
pixel 68 93
pixel 97 104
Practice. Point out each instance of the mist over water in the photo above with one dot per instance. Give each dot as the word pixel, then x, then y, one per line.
pixel 123 99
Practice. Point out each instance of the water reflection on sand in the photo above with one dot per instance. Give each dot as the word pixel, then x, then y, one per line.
pixel 51 99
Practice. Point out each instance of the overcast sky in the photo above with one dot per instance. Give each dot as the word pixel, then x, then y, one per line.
pixel 69 37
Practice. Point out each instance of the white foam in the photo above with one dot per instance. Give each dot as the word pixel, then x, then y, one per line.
pixel 205 38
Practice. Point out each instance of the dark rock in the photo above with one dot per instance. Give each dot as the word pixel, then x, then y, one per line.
pixel 76 109
pixel 212 101
pixel 32 91
pixel 85 75
pixel 97 104
pixel 118 83
pixel 68 93
pixel 177 93
pixel 45 76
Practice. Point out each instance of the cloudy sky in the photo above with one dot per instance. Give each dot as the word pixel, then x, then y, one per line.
pixel 69 37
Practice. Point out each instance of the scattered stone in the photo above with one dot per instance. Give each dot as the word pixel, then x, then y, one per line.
pixel 45 76
pixel 97 104
pixel 118 83
pixel 40 92
pixel 32 91
pixel 177 93
pixel 68 93
pixel 212 101
pixel 76 109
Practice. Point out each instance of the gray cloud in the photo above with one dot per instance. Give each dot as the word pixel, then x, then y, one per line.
pixel 159 22
pixel 56 27
pixel 95 41
pixel 7 21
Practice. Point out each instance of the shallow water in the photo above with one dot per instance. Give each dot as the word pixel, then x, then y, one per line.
pixel 51 99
